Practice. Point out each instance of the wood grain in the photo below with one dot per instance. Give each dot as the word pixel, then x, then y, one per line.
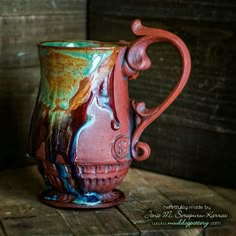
pixel 227 231
pixel 175 191
pixel 22 214
pixel 171 232
pixel 33 226
pixel 141 198
pixel 184 192
pixel 211 11
pixel 43 7
pixel 98 222
pixel 21 33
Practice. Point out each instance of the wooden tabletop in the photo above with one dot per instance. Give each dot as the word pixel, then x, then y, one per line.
pixel 155 205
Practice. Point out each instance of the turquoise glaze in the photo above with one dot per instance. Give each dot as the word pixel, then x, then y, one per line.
pixel 80 44
pixel 89 199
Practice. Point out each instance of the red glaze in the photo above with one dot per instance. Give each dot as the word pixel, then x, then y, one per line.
pixel 84 141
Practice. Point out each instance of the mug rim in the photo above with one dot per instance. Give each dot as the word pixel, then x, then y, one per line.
pixel 94 44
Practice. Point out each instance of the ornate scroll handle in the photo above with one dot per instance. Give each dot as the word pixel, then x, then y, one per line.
pixel 138 60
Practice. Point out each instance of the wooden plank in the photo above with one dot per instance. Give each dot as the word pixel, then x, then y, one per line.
pixel 18 91
pixel 226 231
pixel 143 197
pixel 176 188
pixel 19 206
pixel 211 11
pixel 18 194
pixel 229 194
pixel 21 33
pixel 205 112
pixel 100 222
pixel 20 210
pixel 20 185
pixel 174 232
pixel 189 155
pixel 188 193
pixel 39 225
pixel 34 7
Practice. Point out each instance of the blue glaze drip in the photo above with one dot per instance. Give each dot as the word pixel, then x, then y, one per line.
pixel 64 176
pixel 89 199
pixel 51 198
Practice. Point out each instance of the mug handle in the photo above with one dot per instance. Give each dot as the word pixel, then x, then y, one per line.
pixel 137 60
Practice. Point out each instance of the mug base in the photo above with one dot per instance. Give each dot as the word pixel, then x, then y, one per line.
pixel 110 199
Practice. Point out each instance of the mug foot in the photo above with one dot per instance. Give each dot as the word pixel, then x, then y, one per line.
pixel 86 201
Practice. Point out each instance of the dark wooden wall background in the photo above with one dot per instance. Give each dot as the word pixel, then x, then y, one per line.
pixel 23 23
pixel 196 137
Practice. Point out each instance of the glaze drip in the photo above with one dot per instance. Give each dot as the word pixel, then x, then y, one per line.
pixel 70 83
pixel 106 99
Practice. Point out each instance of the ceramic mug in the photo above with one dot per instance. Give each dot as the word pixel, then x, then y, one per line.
pixel 85 130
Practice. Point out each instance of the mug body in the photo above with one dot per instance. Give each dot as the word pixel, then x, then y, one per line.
pixel 82 123
pixel 84 130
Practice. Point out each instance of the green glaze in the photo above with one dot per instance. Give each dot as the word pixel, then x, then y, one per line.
pixel 92 60
pixel 78 44
pixel 62 72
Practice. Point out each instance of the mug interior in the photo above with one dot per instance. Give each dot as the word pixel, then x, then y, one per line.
pixel 80 44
